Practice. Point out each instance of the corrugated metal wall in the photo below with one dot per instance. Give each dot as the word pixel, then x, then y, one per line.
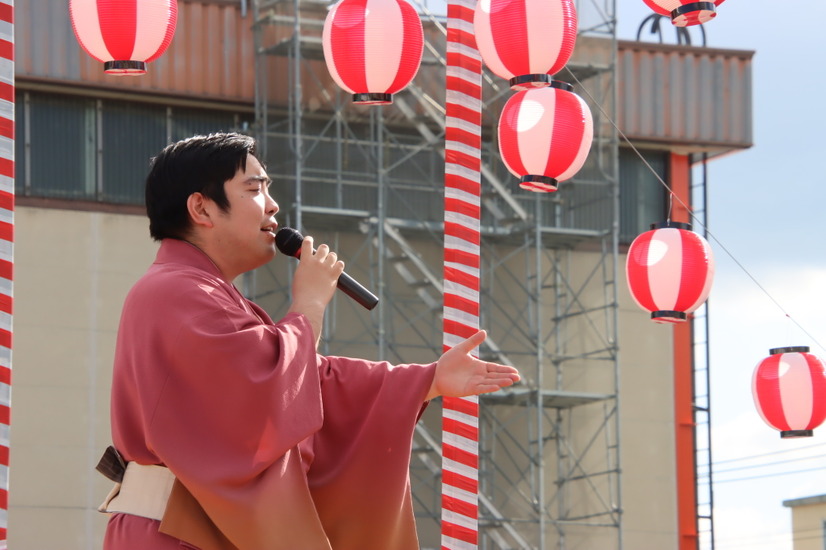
pixel 699 96
pixel 211 56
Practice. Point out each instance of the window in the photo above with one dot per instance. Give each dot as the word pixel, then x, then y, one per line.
pixel 78 148
pixel 190 122
pixel 56 155
pixel 642 196
pixel 132 134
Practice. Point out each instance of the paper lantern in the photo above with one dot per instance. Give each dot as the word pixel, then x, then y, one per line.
pixel 373 48
pixel 789 390
pixel 684 13
pixel 669 270
pixel 545 135
pixel 124 35
pixel 525 41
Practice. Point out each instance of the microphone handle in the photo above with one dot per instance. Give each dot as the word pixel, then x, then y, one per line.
pixel 356 291
pixel 291 246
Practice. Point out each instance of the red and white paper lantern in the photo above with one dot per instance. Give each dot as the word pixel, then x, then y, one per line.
pixel 124 35
pixel 373 48
pixel 789 390
pixel 545 135
pixel 669 270
pixel 685 13
pixel 525 41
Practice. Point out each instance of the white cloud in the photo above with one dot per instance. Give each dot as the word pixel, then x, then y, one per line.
pixel 747 527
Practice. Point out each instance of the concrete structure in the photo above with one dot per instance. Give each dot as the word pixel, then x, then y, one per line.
pixel 808 522
pixel 595 450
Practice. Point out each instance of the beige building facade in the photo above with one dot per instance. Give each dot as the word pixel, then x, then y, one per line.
pixel 808 522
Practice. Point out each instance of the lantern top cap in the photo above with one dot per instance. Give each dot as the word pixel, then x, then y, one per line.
pixel 671 225
pixel 791 349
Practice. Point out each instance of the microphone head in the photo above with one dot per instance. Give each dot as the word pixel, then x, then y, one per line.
pixel 288 241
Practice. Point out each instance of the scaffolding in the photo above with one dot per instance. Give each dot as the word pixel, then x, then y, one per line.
pixel 369 181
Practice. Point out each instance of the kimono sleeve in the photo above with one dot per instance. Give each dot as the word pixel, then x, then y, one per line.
pixel 359 477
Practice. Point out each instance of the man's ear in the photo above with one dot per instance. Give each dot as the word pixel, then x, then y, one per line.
pixel 199 208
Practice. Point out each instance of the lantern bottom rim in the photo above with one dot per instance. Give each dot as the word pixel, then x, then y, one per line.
pixel 538 80
pixel 538 184
pixel 694 13
pixel 787 434
pixel 668 316
pixel 372 98
pixel 124 67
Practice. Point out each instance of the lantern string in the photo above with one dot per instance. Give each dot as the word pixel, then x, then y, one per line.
pixel 694 217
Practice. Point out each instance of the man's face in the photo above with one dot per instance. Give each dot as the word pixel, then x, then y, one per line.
pixel 245 234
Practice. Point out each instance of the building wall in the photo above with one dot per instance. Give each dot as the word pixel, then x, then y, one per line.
pixel 72 271
pixel 701 97
pixel 210 57
pixel 808 522
pixel 808 527
pixel 649 491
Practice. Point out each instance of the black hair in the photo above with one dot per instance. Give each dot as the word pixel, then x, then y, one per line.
pixel 200 164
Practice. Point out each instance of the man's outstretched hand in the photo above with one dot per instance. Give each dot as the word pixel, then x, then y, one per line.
pixel 459 374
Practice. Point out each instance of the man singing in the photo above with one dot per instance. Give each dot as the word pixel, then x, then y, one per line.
pixel 234 432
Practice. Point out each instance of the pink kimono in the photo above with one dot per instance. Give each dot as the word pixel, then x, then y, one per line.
pixel 273 446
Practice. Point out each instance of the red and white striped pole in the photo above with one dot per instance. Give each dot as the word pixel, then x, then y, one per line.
pixel 460 424
pixel 6 247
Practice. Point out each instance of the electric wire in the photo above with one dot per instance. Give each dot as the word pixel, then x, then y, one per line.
pixel 770 474
pixel 704 474
pixel 765 464
pixel 761 455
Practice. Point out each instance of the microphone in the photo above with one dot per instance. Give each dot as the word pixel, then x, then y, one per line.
pixel 288 241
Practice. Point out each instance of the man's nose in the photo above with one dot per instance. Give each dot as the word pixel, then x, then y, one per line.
pixel 272 206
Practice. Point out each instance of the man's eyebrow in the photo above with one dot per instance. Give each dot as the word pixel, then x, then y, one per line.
pixel 259 179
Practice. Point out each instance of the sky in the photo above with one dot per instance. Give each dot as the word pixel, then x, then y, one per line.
pixel 766 220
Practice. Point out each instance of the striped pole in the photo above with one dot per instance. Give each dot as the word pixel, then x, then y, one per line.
pixel 6 247
pixel 460 423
